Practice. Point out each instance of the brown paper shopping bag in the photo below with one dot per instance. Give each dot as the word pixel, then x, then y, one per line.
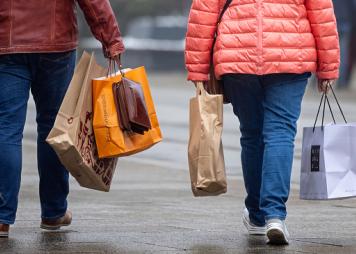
pixel 111 140
pixel 205 150
pixel 72 136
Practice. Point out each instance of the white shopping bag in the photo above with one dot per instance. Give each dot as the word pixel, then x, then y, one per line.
pixel 328 162
pixel 328 169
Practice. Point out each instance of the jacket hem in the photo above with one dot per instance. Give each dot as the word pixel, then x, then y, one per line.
pixel 328 75
pixel 219 74
pixel 194 76
pixel 38 49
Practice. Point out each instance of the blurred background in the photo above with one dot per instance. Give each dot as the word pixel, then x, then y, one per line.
pixel 154 33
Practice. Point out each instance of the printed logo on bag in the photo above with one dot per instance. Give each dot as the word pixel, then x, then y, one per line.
pixel 315 159
pixel 106 117
pixel 86 146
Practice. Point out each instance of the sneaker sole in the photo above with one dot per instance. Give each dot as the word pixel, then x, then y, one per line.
pixel 48 227
pixel 252 230
pixel 276 236
pixel 4 235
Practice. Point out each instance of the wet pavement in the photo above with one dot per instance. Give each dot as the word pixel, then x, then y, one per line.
pixel 150 208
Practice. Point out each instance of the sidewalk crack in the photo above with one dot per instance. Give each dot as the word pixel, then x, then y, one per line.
pixel 163 246
pixel 320 243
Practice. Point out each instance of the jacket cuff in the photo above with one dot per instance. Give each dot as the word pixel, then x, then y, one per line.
pixel 196 76
pixel 114 50
pixel 328 74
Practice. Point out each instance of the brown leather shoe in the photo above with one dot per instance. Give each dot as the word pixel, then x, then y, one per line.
pixel 66 220
pixel 4 230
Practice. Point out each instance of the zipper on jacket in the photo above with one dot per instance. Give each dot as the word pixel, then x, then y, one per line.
pixel 260 38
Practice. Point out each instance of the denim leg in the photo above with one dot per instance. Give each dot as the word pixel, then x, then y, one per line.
pixel 282 106
pixel 53 74
pixel 344 37
pixel 246 95
pixel 14 93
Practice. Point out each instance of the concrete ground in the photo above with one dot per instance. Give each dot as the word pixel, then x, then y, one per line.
pixel 150 208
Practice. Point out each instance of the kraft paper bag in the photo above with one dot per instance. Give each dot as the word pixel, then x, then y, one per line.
pixel 111 140
pixel 328 168
pixel 205 149
pixel 72 136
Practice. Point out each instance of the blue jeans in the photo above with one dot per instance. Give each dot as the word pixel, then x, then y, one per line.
pixel 47 75
pixel 268 108
pixel 345 36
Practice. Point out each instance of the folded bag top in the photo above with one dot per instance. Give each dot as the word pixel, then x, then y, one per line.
pixel 131 107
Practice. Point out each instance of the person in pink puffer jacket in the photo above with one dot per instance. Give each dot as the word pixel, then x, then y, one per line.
pixel 264 53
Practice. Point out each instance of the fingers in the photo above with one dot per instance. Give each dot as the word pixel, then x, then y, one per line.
pixel 324 85
pixel 320 86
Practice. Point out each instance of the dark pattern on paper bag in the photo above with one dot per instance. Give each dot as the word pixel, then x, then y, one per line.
pixel 86 145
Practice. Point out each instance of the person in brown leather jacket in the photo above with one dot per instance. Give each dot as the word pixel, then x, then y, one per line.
pixel 38 39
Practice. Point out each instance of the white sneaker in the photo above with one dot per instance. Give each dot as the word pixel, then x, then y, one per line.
pixel 277 232
pixel 252 228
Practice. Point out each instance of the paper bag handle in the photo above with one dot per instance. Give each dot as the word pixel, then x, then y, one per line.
pixel 324 98
pixel 113 62
pixel 338 104
pixel 200 89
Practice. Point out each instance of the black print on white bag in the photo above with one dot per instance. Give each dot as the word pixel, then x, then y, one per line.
pixel 315 159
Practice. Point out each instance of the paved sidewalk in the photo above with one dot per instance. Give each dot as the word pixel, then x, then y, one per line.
pixel 151 210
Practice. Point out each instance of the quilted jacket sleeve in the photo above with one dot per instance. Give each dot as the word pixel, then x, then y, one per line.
pixel 103 25
pixel 201 29
pixel 323 23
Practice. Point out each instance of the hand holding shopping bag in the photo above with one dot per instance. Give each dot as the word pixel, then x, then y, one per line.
pixel 205 149
pixel 72 136
pixel 328 169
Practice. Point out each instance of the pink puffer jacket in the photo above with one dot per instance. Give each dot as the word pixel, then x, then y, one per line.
pixel 263 37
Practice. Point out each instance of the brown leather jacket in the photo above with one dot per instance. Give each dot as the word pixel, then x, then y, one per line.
pixel 31 26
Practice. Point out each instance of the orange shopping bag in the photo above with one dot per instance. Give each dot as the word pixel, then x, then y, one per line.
pixel 111 141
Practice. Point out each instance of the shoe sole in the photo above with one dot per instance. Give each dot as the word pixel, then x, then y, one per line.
pixel 51 228
pixel 4 235
pixel 276 236
pixel 252 230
